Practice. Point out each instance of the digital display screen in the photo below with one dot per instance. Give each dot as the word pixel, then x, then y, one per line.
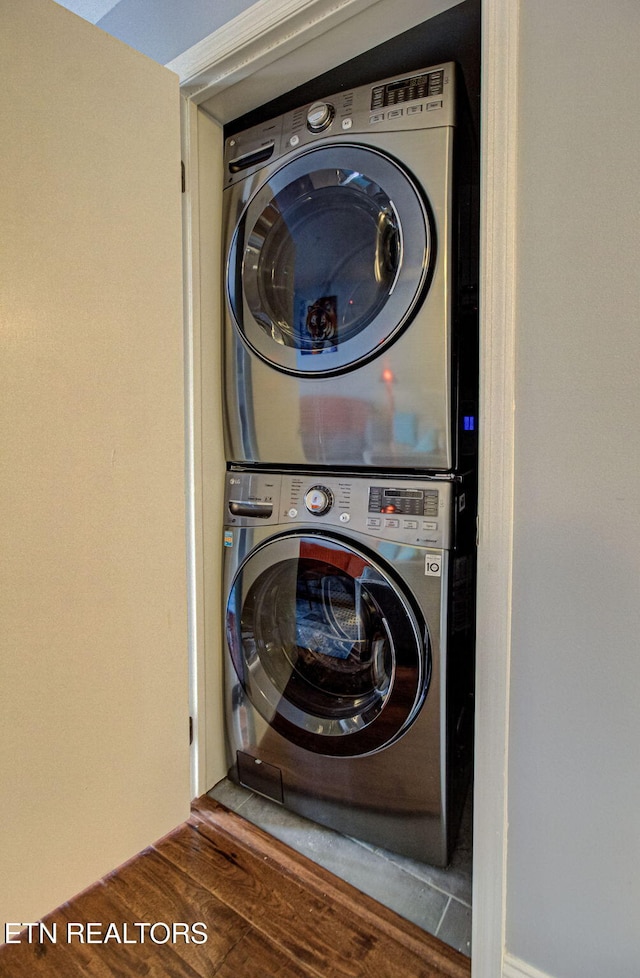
pixel 405 493
pixel 408 89
pixel 404 502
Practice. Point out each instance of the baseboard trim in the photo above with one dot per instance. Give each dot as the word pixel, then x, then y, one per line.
pixel 515 968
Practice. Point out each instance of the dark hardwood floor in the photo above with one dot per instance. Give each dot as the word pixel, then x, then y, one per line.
pixel 267 912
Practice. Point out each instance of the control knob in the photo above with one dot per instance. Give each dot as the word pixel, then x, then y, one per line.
pixel 320 116
pixel 318 500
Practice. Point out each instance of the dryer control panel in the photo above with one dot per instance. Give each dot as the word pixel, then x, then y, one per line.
pixel 421 100
pixel 410 511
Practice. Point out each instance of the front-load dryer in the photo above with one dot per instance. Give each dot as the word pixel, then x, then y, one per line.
pixel 349 662
pixel 342 263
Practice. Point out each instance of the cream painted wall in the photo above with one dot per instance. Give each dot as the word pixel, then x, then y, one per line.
pixel 94 758
pixel 573 895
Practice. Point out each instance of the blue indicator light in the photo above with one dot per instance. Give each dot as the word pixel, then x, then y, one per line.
pixel 469 422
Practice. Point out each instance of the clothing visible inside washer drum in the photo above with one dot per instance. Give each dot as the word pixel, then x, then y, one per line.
pixel 321 638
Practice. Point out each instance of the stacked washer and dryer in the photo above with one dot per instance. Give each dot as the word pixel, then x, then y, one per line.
pixel 350 357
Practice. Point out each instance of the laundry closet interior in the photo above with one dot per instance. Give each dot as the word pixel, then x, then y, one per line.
pixel 349 259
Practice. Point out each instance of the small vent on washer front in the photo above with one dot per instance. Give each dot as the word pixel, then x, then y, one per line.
pixel 259 776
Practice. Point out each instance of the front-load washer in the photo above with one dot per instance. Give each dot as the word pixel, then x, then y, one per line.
pixel 347 262
pixel 349 651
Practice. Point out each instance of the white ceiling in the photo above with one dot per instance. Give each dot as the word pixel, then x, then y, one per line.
pixel 91 10
pixel 161 29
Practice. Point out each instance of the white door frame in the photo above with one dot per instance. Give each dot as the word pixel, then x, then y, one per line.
pixel 259 55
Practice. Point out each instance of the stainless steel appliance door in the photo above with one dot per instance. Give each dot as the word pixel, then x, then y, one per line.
pixel 329 650
pixel 329 259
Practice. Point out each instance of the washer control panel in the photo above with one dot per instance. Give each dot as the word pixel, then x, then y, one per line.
pixel 420 100
pixel 410 511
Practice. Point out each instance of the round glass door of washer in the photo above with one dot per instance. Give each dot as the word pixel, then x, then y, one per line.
pixel 329 650
pixel 329 260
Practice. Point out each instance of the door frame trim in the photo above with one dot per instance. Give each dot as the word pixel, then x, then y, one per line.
pixel 227 70
pixel 266 33
pixel 499 148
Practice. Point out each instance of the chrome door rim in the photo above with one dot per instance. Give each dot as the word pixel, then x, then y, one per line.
pixel 418 248
pixel 347 735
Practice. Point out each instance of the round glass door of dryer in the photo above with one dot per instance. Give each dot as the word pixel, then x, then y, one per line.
pixel 329 260
pixel 330 651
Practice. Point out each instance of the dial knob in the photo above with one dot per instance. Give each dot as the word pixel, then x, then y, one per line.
pixel 318 500
pixel 319 116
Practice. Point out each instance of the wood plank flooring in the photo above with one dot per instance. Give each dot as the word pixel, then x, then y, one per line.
pixel 269 913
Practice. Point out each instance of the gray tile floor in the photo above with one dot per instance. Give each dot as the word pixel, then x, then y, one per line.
pixel 438 900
